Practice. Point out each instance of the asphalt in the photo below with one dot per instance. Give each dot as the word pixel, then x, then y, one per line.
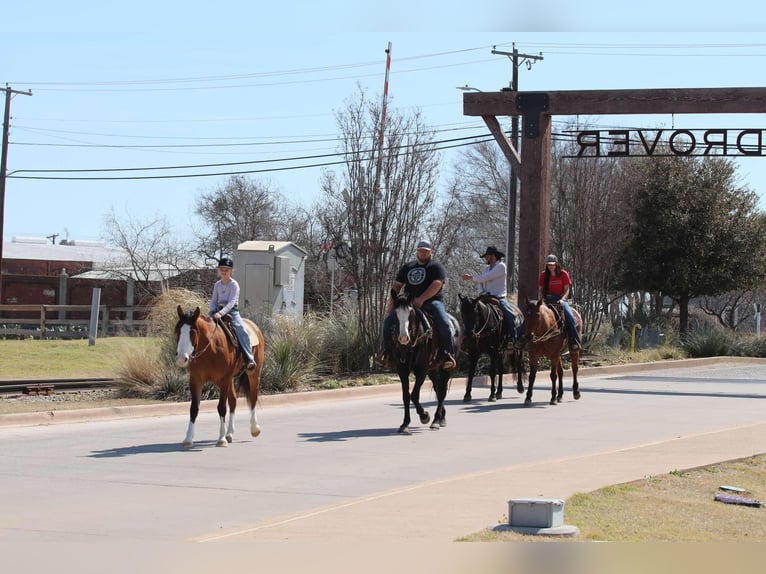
pixel 381 517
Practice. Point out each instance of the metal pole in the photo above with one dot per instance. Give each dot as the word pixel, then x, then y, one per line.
pixel 3 167
pixel 93 327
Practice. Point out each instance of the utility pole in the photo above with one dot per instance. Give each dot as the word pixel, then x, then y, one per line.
pixel 517 60
pixel 3 166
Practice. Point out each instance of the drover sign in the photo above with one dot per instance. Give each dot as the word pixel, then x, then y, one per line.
pixel 681 142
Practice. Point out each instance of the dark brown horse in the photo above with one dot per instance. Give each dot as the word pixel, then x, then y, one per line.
pixel 213 356
pixel 546 337
pixel 484 333
pixel 414 351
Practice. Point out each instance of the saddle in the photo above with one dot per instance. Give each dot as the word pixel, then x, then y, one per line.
pixel 494 306
pixel 558 312
pixel 228 328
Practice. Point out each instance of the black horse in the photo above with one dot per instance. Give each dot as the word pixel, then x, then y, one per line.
pixel 484 334
pixel 415 351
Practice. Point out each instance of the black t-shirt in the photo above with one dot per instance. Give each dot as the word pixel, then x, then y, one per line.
pixel 417 277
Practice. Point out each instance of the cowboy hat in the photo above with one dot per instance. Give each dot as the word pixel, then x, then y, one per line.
pixel 492 250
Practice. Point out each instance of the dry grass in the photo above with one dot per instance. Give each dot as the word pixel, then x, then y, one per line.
pixel 676 507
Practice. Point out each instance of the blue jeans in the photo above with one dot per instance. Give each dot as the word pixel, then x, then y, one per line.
pixel 242 336
pixel 574 336
pixel 510 318
pixel 439 314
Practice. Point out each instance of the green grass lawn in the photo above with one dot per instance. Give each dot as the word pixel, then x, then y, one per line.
pixel 35 359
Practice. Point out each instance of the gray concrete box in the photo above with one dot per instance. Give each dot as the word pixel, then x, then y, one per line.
pixel 536 512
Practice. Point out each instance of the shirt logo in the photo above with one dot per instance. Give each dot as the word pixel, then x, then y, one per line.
pixel 416 276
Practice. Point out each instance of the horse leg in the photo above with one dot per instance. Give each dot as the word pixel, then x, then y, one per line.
pixel 420 378
pixel 473 360
pixel 222 418
pixel 517 360
pixel 405 380
pixel 439 381
pixel 254 385
pixel 575 367
pixel 532 376
pixel 499 371
pixel 232 400
pixel 553 375
pixel 196 393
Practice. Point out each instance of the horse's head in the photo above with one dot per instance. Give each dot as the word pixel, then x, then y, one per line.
pixel 468 314
pixel 537 317
pixel 187 336
pixel 405 316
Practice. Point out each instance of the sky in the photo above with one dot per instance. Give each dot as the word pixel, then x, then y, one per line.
pixel 139 108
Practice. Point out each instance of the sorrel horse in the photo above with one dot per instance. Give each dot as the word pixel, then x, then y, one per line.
pixel 484 333
pixel 213 356
pixel 547 338
pixel 415 351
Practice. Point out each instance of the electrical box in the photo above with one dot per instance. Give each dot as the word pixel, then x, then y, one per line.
pixel 536 512
pixel 281 271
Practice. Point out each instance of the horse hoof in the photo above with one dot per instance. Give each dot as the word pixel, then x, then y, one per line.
pixel 221 442
pixel 187 444
pixel 404 430
pixel 425 418
pixel 492 399
pixel 577 396
pixel 553 402
pixel 229 438
pixel 528 402
pixel 499 396
pixel 466 398
pixel 443 423
pixel 255 431
pixel 520 388
pixel 435 426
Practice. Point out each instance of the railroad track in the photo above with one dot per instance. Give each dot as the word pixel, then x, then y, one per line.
pixel 48 386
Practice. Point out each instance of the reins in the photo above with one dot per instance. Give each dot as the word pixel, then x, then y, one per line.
pixel 209 342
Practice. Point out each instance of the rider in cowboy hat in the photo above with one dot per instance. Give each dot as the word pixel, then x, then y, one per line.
pixel 493 282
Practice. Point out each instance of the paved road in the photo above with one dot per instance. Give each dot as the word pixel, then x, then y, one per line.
pixel 335 470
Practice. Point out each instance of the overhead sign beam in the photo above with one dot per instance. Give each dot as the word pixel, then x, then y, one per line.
pixel 537 108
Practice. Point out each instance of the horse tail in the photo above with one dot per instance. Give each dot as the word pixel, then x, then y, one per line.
pixel 243 383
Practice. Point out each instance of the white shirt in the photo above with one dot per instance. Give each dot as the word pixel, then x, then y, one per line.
pixel 492 280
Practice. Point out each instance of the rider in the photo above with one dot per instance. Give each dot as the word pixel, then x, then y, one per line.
pixel 225 301
pixel 554 284
pixel 423 278
pixel 493 282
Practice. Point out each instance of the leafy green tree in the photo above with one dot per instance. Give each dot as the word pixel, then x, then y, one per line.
pixel 694 231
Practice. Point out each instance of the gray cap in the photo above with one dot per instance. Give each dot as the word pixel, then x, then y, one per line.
pixel 551 259
pixel 423 244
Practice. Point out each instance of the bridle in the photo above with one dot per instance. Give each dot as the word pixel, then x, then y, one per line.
pixel 193 327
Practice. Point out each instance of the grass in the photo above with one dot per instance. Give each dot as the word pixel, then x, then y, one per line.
pixel 49 359
pixel 675 507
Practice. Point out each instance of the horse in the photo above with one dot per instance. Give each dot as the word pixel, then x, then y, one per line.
pixel 415 351
pixel 483 334
pixel 212 355
pixel 546 338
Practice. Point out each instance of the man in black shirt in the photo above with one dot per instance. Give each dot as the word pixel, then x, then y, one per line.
pixel 423 278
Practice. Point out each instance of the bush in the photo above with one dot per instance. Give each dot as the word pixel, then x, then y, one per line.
pixel 708 343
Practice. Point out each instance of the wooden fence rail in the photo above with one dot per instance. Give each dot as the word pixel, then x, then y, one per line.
pixel 70 321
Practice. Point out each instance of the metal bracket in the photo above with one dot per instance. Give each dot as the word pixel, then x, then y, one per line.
pixel 531 104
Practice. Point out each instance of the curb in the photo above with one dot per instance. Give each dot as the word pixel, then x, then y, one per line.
pixel 51 417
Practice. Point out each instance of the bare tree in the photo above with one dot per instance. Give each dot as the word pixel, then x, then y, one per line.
pixel 381 223
pixel 240 210
pixel 153 254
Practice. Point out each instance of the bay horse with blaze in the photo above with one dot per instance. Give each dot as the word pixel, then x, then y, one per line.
pixel 546 336
pixel 212 355
pixel 415 351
